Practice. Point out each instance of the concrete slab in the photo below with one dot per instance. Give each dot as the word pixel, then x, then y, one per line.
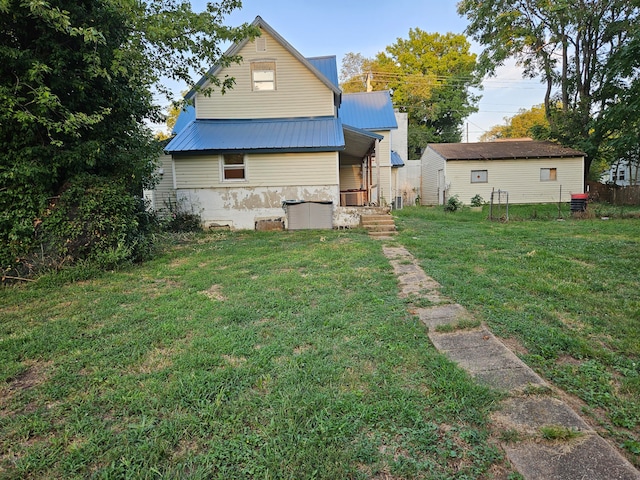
pixel 441 314
pixel 509 379
pixel 528 414
pixel 462 339
pixel 589 457
pixel 396 252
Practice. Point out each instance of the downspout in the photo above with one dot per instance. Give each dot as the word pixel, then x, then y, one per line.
pixel 376 149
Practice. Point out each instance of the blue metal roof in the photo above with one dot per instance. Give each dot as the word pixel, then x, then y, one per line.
pixel 396 159
pixel 186 116
pixel 322 134
pixel 327 66
pixel 368 110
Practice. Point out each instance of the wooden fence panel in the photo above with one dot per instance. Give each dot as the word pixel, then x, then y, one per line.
pixel 600 192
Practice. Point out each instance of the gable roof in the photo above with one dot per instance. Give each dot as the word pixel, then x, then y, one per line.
pixel 368 110
pixel 503 150
pixel 321 134
pixel 235 49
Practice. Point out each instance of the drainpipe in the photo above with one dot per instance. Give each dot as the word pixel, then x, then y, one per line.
pixel 377 153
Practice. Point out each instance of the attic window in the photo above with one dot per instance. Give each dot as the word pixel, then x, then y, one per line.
pixel 548 174
pixel 261 45
pixel 263 76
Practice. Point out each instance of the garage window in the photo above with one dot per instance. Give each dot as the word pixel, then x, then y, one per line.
pixel 479 176
pixel 548 174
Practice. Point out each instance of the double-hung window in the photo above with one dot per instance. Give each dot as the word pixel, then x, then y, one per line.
pixel 263 75
pixel 233 167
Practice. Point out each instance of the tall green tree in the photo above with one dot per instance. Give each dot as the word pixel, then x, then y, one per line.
pixel 77 83
pixel 570 45
pixel 431 76
pixel 526 123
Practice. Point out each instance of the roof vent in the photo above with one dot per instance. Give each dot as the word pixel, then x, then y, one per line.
pixel 261 44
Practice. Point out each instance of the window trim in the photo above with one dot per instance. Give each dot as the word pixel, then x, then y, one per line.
pixel 224 168
pixel 552 174
pixel 476 173
pixel 255 64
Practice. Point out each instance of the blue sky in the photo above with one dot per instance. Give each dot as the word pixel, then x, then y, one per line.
pixel 332 27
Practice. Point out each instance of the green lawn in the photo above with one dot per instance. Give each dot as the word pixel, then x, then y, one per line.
pixel 290 355
pixel 235 355
pixel 565 293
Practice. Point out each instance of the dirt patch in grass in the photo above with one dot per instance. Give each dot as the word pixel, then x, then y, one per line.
pixel 300 349
pixel 234 361
pixel 34 375
pixel 214 293
pixel 568 360
pixel 158 359
pixel 515 346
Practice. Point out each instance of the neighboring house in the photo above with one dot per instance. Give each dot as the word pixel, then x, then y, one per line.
pixel 530 171
pixel 284 133
pixel 622 173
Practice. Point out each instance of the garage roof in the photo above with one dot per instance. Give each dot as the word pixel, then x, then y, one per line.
pixel 503 150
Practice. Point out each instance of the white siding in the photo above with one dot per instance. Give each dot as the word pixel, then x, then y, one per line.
pixel 350 177
pixel 163 193
pixel 262 170
pixel 520 177
pixel 299 93
pixel 383 154
pixel 431 193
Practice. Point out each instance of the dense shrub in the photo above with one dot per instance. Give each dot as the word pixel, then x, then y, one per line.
pixel 96 219
pixel 453 204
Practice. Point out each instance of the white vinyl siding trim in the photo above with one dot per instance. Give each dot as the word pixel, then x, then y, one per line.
pixel 350 177
pixel 266 170
pixel 519 177
pixel 197 171
pixel 432 163
pixel 299 93
pixel 383 153
pixel 292 169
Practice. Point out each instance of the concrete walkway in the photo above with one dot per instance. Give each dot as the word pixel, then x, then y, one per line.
pixel 530 404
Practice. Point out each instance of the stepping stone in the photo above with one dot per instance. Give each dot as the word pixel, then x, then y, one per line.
pixel 485 357
pixel 441 314
pixel 529 414
pixel 588 457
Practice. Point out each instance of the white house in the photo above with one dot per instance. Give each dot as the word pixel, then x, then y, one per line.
pixel 530 171
pixel 622 173
pixel 284 134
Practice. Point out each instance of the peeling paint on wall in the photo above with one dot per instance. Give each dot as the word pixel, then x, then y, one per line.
pixel 240 207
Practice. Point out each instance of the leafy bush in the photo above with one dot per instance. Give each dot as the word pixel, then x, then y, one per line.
pixel 98 220
pixel 453 204
pixel 477 200
pixel 181 218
